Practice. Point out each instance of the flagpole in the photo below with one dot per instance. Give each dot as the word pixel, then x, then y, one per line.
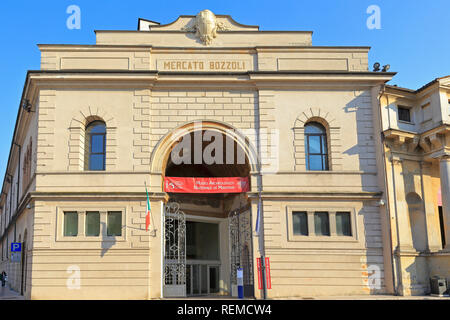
pixel 261 246
pixel 151 215
pixel 260 209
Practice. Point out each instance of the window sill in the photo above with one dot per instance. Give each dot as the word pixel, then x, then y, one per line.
pixel 91 239
pixel 325 172
pixel 406 122
pixel 298 238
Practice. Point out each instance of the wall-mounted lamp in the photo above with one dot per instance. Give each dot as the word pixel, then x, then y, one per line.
pixel 376 67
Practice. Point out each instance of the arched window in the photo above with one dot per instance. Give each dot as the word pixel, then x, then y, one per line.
pixel 417 221
pixel 95 146
pixel 316 147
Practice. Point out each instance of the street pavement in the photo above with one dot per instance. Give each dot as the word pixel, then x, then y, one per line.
pixel 7 294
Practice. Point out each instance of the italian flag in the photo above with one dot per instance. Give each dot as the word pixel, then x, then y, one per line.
pixel 147 217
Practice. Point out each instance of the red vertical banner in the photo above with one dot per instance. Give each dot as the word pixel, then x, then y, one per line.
pixel 258 264
pixel 268 279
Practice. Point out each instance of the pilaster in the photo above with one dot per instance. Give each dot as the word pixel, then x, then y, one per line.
pixel 444 169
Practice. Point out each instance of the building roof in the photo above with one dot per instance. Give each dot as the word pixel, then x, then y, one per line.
pixel 421 88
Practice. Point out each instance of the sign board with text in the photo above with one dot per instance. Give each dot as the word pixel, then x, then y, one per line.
pixel 16 256
pixel 206 185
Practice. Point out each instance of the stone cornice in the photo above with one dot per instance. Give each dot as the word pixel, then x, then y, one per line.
pixel 81 78
pixel 39 195
pixel 54 79
pixel 434 142
pixel 317 195
pixel 93 47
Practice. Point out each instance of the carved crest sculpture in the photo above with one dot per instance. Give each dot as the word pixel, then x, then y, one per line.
pixel 205 26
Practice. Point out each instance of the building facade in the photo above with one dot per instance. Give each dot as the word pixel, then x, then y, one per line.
pixel 298 125
pixel 416 130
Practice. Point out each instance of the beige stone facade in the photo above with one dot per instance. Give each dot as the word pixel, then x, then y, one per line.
pixel 154 86
pixel 417 167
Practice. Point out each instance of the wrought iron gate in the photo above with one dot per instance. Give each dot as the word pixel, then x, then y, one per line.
pixel 174 251
pixel 241 249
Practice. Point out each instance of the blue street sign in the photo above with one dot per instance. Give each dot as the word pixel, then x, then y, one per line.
pixel 16 247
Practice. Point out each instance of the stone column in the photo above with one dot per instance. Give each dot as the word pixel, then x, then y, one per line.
pixel 431 214
pixel 444 170
pixel 402 216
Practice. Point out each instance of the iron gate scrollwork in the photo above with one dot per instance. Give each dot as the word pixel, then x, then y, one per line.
pixel 241 249
pixel 174 251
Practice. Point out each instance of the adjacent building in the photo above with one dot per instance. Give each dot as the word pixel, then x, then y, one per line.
pixel 416 130
pixel 326 176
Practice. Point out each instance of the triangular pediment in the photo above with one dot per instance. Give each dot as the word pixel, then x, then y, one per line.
pixel 187 22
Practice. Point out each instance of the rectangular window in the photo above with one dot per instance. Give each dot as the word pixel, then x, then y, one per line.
pixel 321 224
pixel 70 224
pixel 92 224
pixel 114 223
pixel 404 114
pixel 343 224
pixel 300 223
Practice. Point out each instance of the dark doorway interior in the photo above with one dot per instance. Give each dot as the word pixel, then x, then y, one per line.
pixel 441 223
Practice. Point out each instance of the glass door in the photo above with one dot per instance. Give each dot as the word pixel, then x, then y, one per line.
pixel 202 279
pixel 202 258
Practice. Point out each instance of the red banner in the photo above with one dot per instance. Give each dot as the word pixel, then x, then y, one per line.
pixel 206 185
pixel 268 279
pixel 260 273
pixel 258 265
pixel 439 197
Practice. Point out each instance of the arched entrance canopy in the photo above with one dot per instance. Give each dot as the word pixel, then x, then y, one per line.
pixel 160 158
pixel 206 155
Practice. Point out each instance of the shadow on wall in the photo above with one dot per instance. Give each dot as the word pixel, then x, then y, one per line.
pixel 417 270
pixel 374 269
pixel 107 242
pixel 365 147
pixel 417 220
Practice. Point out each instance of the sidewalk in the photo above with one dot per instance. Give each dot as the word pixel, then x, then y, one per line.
pixel 7 294
pixel 372 297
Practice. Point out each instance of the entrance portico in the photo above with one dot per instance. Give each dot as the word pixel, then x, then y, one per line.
pixel 207 226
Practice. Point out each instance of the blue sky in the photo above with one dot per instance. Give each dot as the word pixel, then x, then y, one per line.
pixel 414 37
